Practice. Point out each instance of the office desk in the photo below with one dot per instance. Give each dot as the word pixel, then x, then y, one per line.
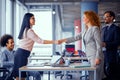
pixel 49 68
pixel 49 58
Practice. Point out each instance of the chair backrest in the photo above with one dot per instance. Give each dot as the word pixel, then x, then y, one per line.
pixel 4 73
pixel 81 53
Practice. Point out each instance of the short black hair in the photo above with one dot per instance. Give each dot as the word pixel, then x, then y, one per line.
pixel 111 13
pixel 4 39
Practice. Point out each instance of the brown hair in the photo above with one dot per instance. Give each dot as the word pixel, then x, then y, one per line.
pixel 93 18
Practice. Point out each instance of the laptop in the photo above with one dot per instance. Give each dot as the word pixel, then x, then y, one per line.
pixel 55 61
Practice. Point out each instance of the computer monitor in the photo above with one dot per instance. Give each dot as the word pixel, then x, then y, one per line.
pixel 70 48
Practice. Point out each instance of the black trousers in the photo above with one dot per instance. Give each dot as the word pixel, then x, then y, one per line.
pixel 111 66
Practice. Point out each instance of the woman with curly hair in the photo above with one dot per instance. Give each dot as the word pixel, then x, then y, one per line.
pixel 92 40
pixel 7 55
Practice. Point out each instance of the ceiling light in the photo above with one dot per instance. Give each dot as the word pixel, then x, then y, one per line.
pixel 76 27
pixel 53 12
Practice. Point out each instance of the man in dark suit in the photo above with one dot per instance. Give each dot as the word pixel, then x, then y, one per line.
pixel 110 38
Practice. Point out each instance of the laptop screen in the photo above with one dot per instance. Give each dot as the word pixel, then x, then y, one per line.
pixel 55 59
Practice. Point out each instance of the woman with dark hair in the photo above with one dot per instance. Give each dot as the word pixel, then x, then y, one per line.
pixel 27 37
pixel 7 55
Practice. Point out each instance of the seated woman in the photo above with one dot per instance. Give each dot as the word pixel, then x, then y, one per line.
pixel 7 55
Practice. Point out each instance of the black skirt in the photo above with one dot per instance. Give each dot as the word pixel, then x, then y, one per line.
pixel 21 59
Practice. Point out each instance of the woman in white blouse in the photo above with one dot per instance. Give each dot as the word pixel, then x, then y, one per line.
pixel 27 39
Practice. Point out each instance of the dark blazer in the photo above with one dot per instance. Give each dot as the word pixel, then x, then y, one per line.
pixel 112 39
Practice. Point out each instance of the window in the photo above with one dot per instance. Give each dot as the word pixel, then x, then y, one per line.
pixel 43 28
pixel 17 25
pixel 8 16
pixel 19 13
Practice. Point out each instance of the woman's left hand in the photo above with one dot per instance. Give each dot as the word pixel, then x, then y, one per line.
pixel 97 61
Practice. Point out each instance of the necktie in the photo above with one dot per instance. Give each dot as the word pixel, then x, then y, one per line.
pixel 108 27
pixel 105 33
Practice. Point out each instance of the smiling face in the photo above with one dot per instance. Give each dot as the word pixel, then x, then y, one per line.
pixel 85 20
pixel 90 18
pixel 32 21
pixel 10 44
pixel 108 18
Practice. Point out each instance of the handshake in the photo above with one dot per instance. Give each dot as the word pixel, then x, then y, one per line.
pixel 60 41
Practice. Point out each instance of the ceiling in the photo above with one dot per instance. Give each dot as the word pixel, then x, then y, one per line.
pixel 39 1
pixel 70 10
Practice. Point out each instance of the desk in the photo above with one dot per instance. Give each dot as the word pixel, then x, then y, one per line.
pixel 49 68
pixel 49 58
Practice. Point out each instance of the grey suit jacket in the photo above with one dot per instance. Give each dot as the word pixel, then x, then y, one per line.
pixel 92 42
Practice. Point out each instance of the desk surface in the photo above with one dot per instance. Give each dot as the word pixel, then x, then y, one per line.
pixel 49 68
pixel 49 58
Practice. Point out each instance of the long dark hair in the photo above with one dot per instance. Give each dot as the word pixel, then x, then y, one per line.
pixel 25 24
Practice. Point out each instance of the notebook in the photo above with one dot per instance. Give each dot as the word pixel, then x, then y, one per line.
pixel 35 64
pixel 81 65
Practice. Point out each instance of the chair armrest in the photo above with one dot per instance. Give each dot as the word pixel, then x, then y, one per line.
pixel 2 69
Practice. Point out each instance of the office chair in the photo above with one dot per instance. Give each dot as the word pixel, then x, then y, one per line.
pixel 4 73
